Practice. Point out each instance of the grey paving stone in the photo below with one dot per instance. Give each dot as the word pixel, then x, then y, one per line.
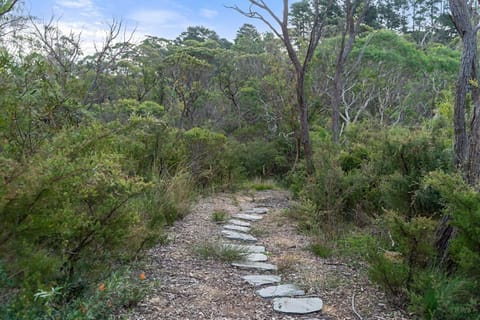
pixel 238 236
pixel 245 248
pixel 234 227
pixel 249 217
pixel 297 305
pixel 256 257
pixel 260 280
pixel 255 265
pixel 283 290
pixel 239 222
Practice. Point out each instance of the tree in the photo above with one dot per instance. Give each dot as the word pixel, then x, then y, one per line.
pixel 467 143
pixel 201 34
pixel 248 40
pixel 350 27
pixel 300 61
pixel 189 70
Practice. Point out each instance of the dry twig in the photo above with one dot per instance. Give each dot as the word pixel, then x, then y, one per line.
pixel 353 308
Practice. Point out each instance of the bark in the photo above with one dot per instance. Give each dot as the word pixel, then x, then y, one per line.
pixel 472 166
pixel 305 131
pixel 466 144
pixel 465 147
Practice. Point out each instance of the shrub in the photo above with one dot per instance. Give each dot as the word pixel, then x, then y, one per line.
pixel 205 150
pixel 463 207
pixel 218 251
pixel 438 296
pixel 320 249
pixel 79 206
pixel 219 216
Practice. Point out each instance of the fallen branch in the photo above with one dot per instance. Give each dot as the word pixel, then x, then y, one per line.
pixel 353 308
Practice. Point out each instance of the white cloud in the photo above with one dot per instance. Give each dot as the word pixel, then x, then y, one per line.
pixel 164 23
pixel 78 4
pixel 91 33
pixel 79 7
pixel 209 14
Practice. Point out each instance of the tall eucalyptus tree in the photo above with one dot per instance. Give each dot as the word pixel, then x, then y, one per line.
pixel 280 26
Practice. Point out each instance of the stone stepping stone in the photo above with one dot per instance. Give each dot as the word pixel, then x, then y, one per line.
pixel 245 248
pixel 260 280
pixel 283 290
pixel 259 210
pixel 297 305
pixel 238 236
pixel 249 217
pixel 239 222
pixel 255 265
pixel 256 257
pixel 234 227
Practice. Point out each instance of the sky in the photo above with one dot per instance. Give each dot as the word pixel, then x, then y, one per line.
pixel 161 18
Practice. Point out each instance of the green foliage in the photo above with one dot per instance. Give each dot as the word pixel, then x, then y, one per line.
pixel 218 251
pixel 321 250
pixel 413 239
pixel 121 289
pixel 206 151
pixel 389 47
pixel 259 184
pixel 437 296
pixel 357 245
pixel 390 273
pixel 219 216
pixel 262 158
pixel 77 206
pixel 463 206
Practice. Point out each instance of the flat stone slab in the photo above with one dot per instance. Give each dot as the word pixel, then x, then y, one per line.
pixel 260 280
pixel 239 222
pixel 234 227
pixel 245 248
pixel 255 265
pixel 234 235
pixel 256 257
pixel 283 290
pixel 297 305
pixel 259 210
pixel 249 217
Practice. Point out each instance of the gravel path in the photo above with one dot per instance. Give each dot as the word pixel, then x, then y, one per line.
pixel 188 287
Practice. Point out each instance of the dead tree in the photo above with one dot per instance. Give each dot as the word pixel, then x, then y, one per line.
pixel 349 32
pixel 280 27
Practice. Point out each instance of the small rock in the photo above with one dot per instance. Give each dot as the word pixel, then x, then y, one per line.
pixel 249 217
pixel 260 280
pixel 255 265
pixel 238 236
pixel 297 305
pixel 236 228
pixel 283 290
pixel 239 222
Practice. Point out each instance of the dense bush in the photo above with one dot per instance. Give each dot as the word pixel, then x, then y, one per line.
pixel 398 183
pixel 83 203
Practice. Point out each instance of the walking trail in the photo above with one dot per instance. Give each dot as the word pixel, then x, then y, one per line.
pixel 278 278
